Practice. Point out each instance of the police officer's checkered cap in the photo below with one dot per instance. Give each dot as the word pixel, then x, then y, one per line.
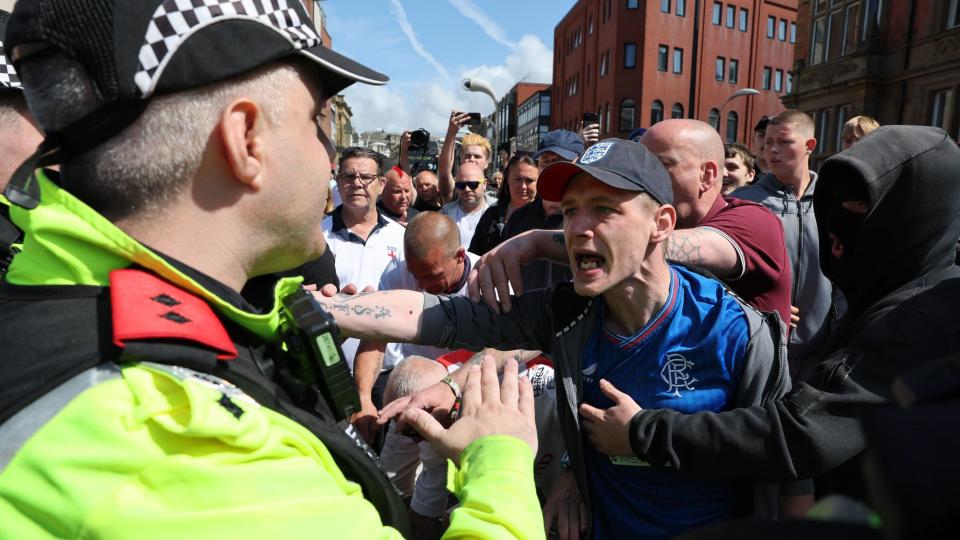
pixel 133 49
pixel 8 76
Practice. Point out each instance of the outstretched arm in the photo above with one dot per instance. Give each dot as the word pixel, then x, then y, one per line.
pixel 458 119
pixel 391 316
pixel 707 248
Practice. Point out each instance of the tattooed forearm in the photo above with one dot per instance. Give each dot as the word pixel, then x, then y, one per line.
pixel 346 309
pixel 686 247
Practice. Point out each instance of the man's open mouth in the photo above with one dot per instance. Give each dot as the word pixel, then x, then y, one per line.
pixel 589 261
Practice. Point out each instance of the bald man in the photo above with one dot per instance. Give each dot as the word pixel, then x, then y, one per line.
pixel 437 263
pixel 740 242
pixel 428 192
pixel 471 201
pixel 396 200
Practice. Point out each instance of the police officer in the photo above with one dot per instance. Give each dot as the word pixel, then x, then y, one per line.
pixel 141 395
pixel 18 139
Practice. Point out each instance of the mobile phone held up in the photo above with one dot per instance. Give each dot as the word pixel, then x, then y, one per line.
pixel 475 119
pixel 590 118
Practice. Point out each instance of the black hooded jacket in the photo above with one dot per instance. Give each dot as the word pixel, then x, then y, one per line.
pixel 903 288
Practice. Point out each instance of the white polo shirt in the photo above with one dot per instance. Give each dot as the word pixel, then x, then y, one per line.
pixel 396 276
pixel 362 263
pixel 467 222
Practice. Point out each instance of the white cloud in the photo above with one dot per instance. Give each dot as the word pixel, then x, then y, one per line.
pixel 473 12
pixel 396 108
pixel 415 42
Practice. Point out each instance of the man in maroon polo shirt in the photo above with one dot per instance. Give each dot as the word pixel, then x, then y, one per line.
pixel 740 242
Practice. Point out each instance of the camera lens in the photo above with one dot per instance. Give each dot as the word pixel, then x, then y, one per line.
pixel 420 138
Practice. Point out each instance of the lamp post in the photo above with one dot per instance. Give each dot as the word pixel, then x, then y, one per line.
pixel 473 84
pixel 366 144
pixel 739 93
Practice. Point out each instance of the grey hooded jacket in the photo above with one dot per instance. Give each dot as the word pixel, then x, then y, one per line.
pixel 812 291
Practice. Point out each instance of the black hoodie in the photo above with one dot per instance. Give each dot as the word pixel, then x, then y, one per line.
pixel 903 289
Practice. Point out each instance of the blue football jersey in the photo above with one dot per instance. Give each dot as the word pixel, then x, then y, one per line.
pixel 686 358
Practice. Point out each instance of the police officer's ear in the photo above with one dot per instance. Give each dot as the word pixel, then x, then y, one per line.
pixel 241 129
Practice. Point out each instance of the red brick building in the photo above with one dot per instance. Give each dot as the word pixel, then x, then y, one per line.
pixel 895 60
pixel 636 62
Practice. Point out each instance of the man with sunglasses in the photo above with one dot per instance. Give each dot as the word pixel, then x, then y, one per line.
pixel 363 240
pixel 471 201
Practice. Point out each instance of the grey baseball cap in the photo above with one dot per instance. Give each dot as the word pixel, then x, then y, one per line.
pixel 616 162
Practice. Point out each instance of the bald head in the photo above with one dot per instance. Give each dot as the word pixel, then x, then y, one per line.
pixel 693 154
pixel 398 194
pixel 430 230
pixel 413 374
pixel 698 137
pixel 469 172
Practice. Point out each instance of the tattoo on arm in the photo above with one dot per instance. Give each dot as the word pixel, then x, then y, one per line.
pixel 686 248
pixel 346 309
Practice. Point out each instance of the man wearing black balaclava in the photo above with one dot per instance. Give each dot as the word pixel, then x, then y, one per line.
pixel 888 212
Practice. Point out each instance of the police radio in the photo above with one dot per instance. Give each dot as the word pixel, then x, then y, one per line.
pixel 313 340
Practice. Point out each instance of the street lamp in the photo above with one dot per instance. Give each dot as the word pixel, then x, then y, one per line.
pixel 473 84
pixel 370 134
pixel 739 93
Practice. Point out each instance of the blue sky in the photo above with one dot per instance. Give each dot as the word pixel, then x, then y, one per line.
pixel 500 41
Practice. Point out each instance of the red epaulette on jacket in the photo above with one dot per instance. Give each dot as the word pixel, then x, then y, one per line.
pixel 146 307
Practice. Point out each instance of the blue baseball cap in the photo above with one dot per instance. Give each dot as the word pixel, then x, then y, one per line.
pixel 563 143
pixel 616 162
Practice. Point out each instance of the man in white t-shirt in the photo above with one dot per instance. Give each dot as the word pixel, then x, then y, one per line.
pixel 471 201
pixel 362 239
pixel 435 262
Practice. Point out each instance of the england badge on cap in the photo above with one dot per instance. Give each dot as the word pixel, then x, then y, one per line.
pixel 597 152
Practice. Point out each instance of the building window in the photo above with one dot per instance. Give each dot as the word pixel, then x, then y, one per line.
pixel 953 17
pixel 676 111
pixel 872 9
pixel 734 71
pixel 818 41
pixel 778 81
pixel 600 118
pixel 608 117
pixel 771 23
pixel 604 61
pixel 590 25
pixel 721 68
pixel 793 32
pixel 766 78
pixel 733 125
pixel 842 116
pixel 789 82
pixel 731 15
pixel 664 5
pixel 714 118
pixel 823 130
pixel 662 58
pixel 656 112
pixel 628 115
pixel 717 13
pixel 677 60
pixel 744 18
pixel 782 30
pixel 681 8
pixel 938 109
pixel 851 28
pixel 630 55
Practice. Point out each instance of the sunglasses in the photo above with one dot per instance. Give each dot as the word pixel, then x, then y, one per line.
pixel 472 185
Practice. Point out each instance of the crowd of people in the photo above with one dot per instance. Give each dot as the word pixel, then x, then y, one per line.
pixel 213 321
